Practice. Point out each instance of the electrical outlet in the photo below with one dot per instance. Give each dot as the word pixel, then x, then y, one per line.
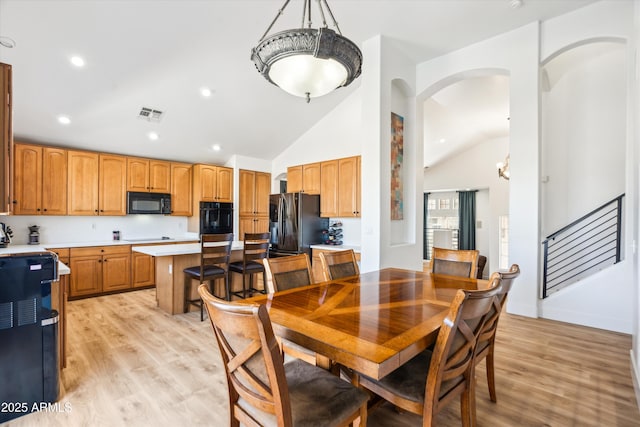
pixel 93 225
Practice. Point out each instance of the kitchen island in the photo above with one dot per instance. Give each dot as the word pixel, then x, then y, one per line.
pixel 170 262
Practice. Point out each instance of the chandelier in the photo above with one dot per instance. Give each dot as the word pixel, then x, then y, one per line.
pixel 305 61
pixel 503 169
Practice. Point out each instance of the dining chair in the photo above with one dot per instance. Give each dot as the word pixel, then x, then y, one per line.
pixel 265 391
pixel 429 381
pixel 290 272
pixel 256 249
pixel 453 262
pixel 215 250
pixel 487 339
pixel 339 264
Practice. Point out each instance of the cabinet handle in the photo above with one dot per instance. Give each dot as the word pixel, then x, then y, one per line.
pixel 45 209
pixel 38 210
pixel 15 202
pixel 99 260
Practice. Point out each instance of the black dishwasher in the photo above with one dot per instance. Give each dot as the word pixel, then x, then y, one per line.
pixel 28 333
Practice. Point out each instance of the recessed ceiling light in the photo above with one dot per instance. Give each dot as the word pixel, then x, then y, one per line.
pixel 216 147
pixel 77 61
pixel 7 42
pixel 442 140
pixel 153 136
pixel 516 4
pixel 64 120
pixel 206 92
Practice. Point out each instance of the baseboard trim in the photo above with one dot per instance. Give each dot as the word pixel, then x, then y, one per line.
pixel 635 377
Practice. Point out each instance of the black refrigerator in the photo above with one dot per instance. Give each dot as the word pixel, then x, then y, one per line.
pixel 28 333
pixel 295 223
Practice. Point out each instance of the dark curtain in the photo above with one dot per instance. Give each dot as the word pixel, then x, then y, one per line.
pixel 467 212
pixel 425 247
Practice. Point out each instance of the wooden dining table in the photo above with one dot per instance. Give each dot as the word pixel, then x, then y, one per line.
pixel 372 323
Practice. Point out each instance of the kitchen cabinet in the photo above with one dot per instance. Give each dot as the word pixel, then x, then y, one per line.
pixel 329 189
pixel 6 137
pixel 181 193
pixel 253 209
pixel 59 297
pixel 349 187
pixel 82 188
pixel 40 180
pixel 304 178
pixel 143 269
pixel 212 184
pixel 96 269
pixel 112 196
pixel 148 175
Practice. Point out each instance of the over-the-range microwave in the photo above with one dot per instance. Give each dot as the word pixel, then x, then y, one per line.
pixel 148 203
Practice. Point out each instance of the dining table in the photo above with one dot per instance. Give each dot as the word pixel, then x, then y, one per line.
pixel 371 323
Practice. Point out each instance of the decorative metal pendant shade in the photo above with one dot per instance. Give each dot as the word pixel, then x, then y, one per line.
pixel 308 62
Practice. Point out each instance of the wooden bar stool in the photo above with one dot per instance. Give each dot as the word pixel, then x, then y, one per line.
pixel 215 250
pixel 256 248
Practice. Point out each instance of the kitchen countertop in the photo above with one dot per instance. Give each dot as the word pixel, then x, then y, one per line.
pixel 356 249
pixel 179 249
pixel 25 249
pixel 115 242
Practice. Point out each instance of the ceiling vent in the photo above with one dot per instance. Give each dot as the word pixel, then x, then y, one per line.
pixel 150 114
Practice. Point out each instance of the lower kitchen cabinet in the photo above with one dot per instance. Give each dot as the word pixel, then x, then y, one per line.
pixel 95 269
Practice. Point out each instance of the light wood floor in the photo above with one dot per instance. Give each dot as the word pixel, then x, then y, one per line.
pixel 130 364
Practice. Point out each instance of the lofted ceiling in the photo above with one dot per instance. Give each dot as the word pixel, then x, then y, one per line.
pixel 160 53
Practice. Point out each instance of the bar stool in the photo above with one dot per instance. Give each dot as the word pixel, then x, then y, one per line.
pixel 215 250
pixel 256 248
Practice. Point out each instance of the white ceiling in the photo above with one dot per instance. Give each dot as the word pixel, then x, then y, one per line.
pixel 160 53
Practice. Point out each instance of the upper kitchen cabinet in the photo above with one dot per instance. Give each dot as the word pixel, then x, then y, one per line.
pixel 97 184
pixel 304 178
pixel 254 191
pixel 329 189
pixel 6 137
pixel 148 175
pixel 40 180
pixel 212 184
pixel 181 189
pixel 112 198
pixel 349 187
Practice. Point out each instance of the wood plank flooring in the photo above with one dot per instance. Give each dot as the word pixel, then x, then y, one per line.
pixel 130 364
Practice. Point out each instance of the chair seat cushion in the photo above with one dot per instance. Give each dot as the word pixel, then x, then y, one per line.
pixel 210 270
pixel 318 398
pixel 250 267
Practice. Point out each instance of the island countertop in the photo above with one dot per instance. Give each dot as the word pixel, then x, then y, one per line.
pixel 178 249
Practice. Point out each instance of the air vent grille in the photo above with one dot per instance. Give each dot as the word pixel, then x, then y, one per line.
pixel 150 114
pixel 6 315
pixel 27 312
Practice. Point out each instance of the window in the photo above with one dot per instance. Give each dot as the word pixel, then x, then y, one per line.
pixel 443 222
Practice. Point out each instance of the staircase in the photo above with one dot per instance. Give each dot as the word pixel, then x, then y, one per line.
pixel 582 248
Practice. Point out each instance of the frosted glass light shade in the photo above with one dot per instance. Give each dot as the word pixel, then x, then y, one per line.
pixel 303 75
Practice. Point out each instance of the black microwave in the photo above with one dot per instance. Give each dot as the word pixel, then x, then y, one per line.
pixel 148 203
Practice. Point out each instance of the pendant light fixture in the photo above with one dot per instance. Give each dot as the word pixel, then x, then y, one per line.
pixel 305 61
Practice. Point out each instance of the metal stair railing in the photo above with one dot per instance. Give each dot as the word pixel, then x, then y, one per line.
pixel 587 245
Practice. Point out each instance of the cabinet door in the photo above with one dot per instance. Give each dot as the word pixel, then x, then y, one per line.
pixel 261 225
pixel 349 187
pixel 294 179
pixel 54 181
pixel 112 185
pixel 224 190
pixel 6 136
pixel 207 181
pixel 116 272
pixel 246 193
pixel 86 275
pixel 27 186
pixel 181 189
pixel 160 176
pixel 245 225
pixel 311 178
pixel 142 269
pixel 329 189
pixel 82 191
pixel 262 191
pixel 137 174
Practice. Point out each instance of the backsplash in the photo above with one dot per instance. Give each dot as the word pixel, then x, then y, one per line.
pixel 62 229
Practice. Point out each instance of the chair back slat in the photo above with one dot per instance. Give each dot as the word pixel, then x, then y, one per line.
pixel 215 249
pixel 453 262
pixel 256 247
pixel 339 264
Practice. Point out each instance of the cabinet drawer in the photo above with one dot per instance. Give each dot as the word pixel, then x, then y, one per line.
pixel 100 250
pixel 61 252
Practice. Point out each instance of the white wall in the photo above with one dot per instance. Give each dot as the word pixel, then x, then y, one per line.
pixel 475 168
pixel 516 54
pixel 80 229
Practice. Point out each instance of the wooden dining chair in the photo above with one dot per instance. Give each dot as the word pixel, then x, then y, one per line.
pixel 339 264
pixel 256 249
pixel 265 391
pixel 487 339
pixel 290 272
pixel 453 262
pixel 215 250
pixel 429 381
